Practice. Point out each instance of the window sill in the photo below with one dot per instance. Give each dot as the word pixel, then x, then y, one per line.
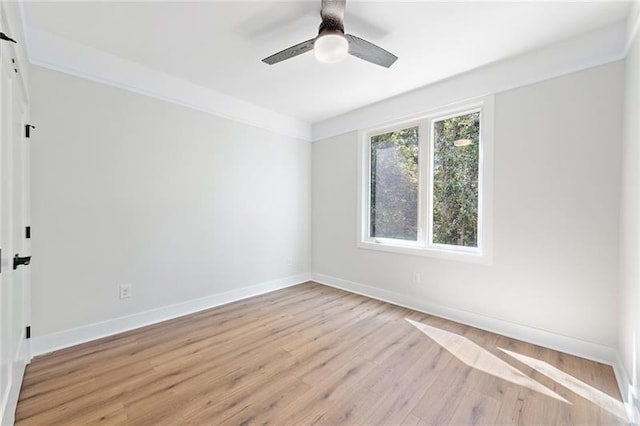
pixel 438 253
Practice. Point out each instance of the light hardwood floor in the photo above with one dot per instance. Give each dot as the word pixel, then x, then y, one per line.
pixel 314 354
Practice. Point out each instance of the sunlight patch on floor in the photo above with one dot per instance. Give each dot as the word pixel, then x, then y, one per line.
pixel 479 358
pixel 576 386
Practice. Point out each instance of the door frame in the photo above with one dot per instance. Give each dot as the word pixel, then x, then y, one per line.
pixel 15 346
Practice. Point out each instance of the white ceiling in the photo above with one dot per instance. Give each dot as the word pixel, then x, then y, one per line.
pixel 219 45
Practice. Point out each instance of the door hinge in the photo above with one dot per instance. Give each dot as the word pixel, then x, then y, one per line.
pixel 28 332
pixel 17 261
pixel 3 36
pixel 27 130
pixel 27 232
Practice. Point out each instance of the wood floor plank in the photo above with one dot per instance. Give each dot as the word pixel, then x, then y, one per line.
pixel 312 354
pixel 475 408
pixel 436 405
pixel 352 410
pixel 328 393
pixel 403 392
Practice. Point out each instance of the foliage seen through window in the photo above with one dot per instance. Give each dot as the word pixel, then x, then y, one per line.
pixel 394 185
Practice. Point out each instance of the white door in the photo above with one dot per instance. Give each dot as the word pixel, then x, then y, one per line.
pixel 14 204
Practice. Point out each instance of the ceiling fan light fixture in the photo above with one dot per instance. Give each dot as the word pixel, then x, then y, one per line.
pixel 331 48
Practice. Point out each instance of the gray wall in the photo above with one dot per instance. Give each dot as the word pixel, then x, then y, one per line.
pixel 178 203
pixel 556 207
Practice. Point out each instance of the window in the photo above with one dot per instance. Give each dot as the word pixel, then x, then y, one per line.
pixel 394 185
pixel 425 184
pixel 455 144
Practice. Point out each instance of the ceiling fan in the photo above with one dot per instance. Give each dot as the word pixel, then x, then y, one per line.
pixel 332 44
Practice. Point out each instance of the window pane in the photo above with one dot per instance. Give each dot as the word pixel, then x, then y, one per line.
pixel 455 180
pixel 394 185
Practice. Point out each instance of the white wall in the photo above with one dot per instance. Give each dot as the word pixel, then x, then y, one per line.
pixel 629 331
pixel 178 203
pixel 556 206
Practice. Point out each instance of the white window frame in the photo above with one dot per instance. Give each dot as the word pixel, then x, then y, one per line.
pixel 424 245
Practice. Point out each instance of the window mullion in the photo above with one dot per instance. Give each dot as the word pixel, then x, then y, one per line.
pixel 430 165
pixel 423 183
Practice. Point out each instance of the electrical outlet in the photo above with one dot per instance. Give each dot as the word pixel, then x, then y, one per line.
pixel 125 291
pixel 415 278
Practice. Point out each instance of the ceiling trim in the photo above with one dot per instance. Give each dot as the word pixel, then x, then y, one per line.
pixel 58 53
pixel 588 50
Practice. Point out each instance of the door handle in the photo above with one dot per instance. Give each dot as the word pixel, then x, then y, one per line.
pixel 17 261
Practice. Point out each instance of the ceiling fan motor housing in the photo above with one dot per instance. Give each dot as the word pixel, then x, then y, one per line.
pixel 330 25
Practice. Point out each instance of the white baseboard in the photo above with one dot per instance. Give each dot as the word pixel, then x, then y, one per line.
pixel 10 402
pixel 624 384
pixel 66 338
pixel 570 345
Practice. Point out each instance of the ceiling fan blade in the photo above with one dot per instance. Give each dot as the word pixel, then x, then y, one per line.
pixel 333 9
pixel 290 52
pixel 370 52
